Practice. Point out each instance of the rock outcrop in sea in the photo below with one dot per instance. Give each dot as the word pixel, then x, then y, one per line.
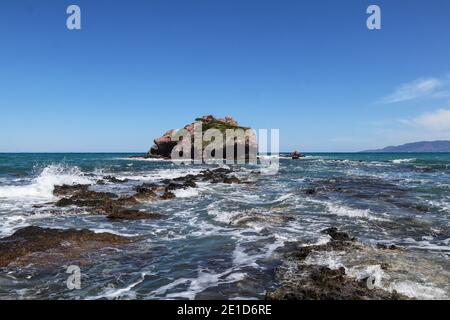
pixel 163 146
pixel 296 155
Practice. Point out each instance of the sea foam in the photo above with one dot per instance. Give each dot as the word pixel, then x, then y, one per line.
pixel 398 161
pixel 41 187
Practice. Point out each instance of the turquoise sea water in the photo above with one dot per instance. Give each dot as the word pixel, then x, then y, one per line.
pixel 202 249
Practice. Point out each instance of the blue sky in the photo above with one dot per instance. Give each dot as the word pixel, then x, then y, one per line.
pixel 137 68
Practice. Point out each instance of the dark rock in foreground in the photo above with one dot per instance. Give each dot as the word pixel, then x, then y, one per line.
pixel 323 283
pixel 305 281
pixel 24 244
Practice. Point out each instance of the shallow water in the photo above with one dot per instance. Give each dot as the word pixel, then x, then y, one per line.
pixel 224 241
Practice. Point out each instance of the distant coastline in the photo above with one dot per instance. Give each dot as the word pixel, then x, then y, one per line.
pixel 421 146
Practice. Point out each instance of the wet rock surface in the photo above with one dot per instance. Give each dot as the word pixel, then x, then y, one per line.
pixel 22 247
pixel 322 283
pixel 131 214
pixel 99 202
pixel 69 190
pixel 301 280
pixel 86 198
pixel 113 179
pixel 337 235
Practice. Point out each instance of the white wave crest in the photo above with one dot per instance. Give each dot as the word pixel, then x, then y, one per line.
pixel 42 186
pixel 398 161
pixel 186 193
pixel 351 212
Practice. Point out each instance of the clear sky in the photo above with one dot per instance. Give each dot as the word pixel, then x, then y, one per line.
pixel 140 67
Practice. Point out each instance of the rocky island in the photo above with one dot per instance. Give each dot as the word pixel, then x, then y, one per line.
pixel 164 145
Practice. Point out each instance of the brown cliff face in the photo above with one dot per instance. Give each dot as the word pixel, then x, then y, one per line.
pixel 163 145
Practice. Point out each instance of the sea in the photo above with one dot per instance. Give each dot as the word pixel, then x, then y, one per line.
pixel 225 241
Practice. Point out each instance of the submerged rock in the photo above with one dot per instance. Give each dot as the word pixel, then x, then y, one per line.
pixel 363 187
pixel 245 219
pixel 26 242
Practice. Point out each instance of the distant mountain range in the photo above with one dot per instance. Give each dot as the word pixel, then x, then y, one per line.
pixel 422 146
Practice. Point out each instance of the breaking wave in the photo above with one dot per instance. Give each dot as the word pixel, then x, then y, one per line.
pixel 341 210
pixel 41 187
pixel 398 161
